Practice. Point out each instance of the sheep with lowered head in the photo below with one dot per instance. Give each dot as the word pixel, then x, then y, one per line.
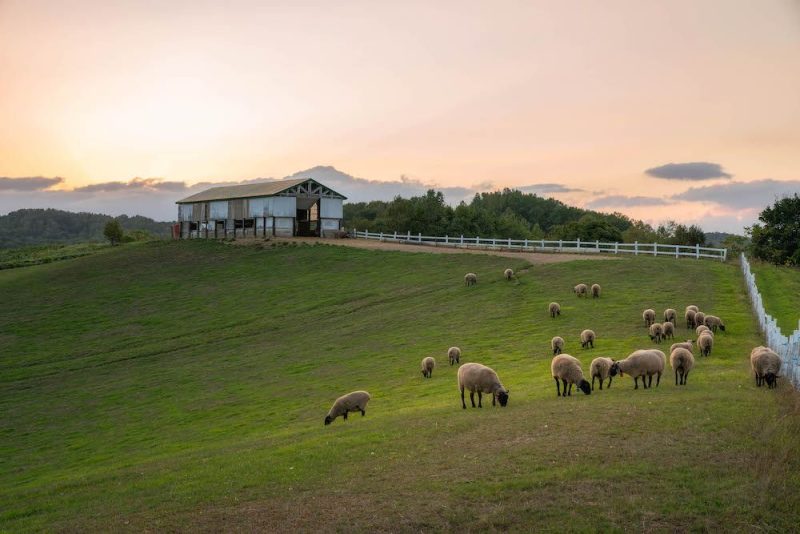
pixel 714 322
pixel 600 369
pixel 352 402
pixel 641 363
pixel 557 343
pixel 587 338
pixel 656 332
pixel 670 316
pixel 681 361
pixel 428 363
pixel 580 290
pixel 688 344
pixel 596 291
pixel 470 279
pixel 689 316
pixel 766 365
pixel 454 355
pixel 669 330
pixel 568 369
pixel 508 274
pixel 649 316
pixel 555 309
pixel 699 318
pixel 705 343
pixel 481 379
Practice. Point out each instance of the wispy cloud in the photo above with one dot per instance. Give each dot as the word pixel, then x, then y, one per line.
pixel 742 195
pixel 29 183
pixel 623 201
pixel 135 184
pixel 546 188
pixel 698 170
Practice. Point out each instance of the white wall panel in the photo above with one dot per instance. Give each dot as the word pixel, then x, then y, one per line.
pixel 331 208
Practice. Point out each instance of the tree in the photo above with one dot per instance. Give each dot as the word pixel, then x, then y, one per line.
pixel 113 232
pixel 777 240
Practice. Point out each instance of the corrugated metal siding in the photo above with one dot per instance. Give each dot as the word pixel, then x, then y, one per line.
pixel 199 211
pixel 237 208
pixel 185 212
pixel 283 206
pixel 330 224
pixel 331 208
pixel 218 210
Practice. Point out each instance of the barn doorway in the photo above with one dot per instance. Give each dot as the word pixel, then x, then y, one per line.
pixel 308 223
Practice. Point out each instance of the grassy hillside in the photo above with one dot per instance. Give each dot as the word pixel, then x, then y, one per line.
pixel 779 287
pixel 183 386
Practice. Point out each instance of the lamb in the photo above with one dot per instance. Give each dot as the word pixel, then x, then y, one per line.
pixel 557 343
pixel 689 315
pixel 703 328
pixel 641 363
pixel 714 322
pixel 509 274
pixel 649 317
pixel 568 369
pixel 477 377
pixel 766 365
pixel 595 291
pixel 587 338
pixel 699 318
pixel 670 316
pixel 705 343
pixel 669 330
pixel 688 344
pixel 428 363
pixel 681 361
pixel 454 354
pixel 600 369
pixel 352 402
pixel 656 332
pixel 555 309
pixel 470 279
pixel 580 289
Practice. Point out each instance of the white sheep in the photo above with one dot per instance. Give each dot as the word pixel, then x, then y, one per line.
pixel 596 291
pixel 649 316
pixel 454 355
pixel 693 308
pixel 555 309
pixel 470 279
pixel 766 365
pixel 557 344
pixel 481 379
pixel 681 361
pixel 699 318
pixel 352 402
pixel 568 369
pixel 509 274
pixel 580 290
pixel 714 322
pixel 703 328
pixel 705 343
pixel 600 368
pixel 428 363
pixel 669 330
pixel 670 316
pixel 587 338
pixel 656 332
pixel 689 315
pixel 641 363
pixel 688 344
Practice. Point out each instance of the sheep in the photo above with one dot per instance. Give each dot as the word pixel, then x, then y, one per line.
pixel 555 309
pixel 600 369
pixel 649 317
pixel 568 369
pixel 766 365
pixel 688 344
pixel 509 274
pixel 557 343
pixel 681 361
pixel 689 315
pixel 587 338
pixel 705 343
pixel 669 330
pixel 641 363
pixel 714 322
pixel 454 354
pixel 703 328
pixel 670 316
pixel 699 318
pixel 693 308
pixel 470 279
pixel 596 291
pixel 580 290
pixel 656 332
pixel 477 377
pixel 428 363
pixel 352 402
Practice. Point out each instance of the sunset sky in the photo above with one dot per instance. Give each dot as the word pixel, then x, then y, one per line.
pixel 125 106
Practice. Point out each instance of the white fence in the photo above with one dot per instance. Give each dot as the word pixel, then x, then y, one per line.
pixel 788 348
pixel 542 245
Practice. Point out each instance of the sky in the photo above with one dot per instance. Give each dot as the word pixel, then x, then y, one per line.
pixel 684 110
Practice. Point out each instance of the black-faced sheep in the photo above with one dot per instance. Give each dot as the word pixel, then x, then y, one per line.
pixel 689 315
pixel 705 343
pixel 669 330
pixel 352 402
pixel 670 316
pixel 656 332
pixel 508 274
pixel 555 309
pixel 766 365
pixel 454 355
pixel 642 363
pixel 557 343
pixel 568 369
pixel 601 369
pixel 428 363
pixel 481 379
pixel 587 338
pixel 681 361
pixel 714 322
pixel 470 279
pixel 649 317
pixel 580 290
pixel 596 291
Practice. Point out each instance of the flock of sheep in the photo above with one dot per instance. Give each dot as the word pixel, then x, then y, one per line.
pixel 566 369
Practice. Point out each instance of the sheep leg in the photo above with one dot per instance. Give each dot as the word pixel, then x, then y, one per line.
pixel 564 386
pixel 570 389
pixel 676 377
pixel 658 379
pixel 609 382
pixel 494 396
pixel 472 398
pixel 558 386
pixel 345 415
pixel 363 412
pixel 635 382
pixel 685 376
pixel 463 404
pixel 591 342
pixel 480 396
pixel 601 382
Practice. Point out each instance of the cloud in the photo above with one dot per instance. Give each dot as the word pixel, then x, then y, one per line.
pixel 742 195
pixel 547 188
pixel 625 201
pixel 698 170
pixel 31 183
pixel 135 184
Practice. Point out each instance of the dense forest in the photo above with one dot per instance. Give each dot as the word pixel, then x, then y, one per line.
pixel 44 226
pixel 510 213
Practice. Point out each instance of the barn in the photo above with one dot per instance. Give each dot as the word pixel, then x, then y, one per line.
pixel 298 207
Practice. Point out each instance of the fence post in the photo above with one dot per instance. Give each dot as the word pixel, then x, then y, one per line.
pixel 655 249
pixel 597 245
pixel 395 235
pixel 509 243
pixel 578 244
pixel 446 242
pixel 697 251
pixel 677 250
pixel 560 244
pixel 635 248
pixel 419 237
pixel 526 243
pixel 462 239
pixel 616 247
pixel 724 254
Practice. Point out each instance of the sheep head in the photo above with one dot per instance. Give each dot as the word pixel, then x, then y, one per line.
pixel 328 420
pixel 586 387
pixel 615 370
pixel 502 397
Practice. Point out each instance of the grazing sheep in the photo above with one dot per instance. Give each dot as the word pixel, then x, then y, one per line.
pixel 688 344
pixel 580 290
pixel 714 322
pixel 681 361
pixel 669 330
pixel 649 317
pixel 656 332
pixel 352 402
pixel 470 279
pixel 703 328
pixel 766 365
pixel 596 291
pixel 705 343
pixel 642 363
pixel 428 363
pixel 557 343
pixel 600 369
pixel 699 318
pixel 509 274
pixel 670 316
pixel 693 308
pixel 479 378
pixel 689 315
pixel 568 369
pixel 454 354
pixel 555 309
pixel 587 338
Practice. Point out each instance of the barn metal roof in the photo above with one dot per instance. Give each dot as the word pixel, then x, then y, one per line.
pixel 262 189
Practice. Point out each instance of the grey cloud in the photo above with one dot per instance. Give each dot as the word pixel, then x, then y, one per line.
pixel 698 170
pixel 625 201
pixel 135 184
pixel 548 188
pixel 742 195
pixel 28 183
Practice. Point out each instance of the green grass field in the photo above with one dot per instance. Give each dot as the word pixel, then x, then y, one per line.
pixel 779 287
pixel 11 258
pixel 183 386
